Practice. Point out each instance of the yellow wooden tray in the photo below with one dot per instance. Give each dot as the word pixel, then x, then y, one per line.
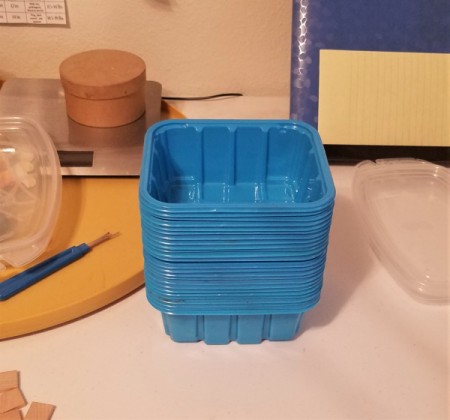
pixel 90 207
pixel 112 270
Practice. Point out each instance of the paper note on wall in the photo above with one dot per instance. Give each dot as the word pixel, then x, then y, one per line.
pixel 384 98
pixel 26 12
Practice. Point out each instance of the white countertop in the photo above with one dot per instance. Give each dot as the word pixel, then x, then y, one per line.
pixel 367 350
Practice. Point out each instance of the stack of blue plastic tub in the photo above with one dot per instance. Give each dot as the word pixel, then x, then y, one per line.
pixel 235 222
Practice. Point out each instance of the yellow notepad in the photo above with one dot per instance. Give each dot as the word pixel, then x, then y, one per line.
pixel 384 98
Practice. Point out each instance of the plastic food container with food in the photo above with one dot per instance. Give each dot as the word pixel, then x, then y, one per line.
pixel 405 208
pixel 30 190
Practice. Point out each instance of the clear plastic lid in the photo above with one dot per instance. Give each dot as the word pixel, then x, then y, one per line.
pixel 30 190
pixel 405 208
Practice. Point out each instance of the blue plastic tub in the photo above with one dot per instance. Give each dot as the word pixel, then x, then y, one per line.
pixel 235 218
pixel 221 329
pixel 242 165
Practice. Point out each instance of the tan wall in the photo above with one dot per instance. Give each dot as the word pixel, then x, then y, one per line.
pixel 193 47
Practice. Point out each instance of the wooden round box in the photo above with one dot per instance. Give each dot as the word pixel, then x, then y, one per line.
pixel 104 88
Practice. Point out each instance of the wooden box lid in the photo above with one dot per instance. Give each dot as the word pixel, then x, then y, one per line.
pixel 102 74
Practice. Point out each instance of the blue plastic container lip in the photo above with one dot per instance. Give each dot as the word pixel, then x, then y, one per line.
pixel 270 285
pixel 205 286
pixel 218 210
pixel 230 302
pixel 241 266
pixel 241 229
pixel 203 233
pixel 316 238
pixel 235 245
pixel 231 283
pixel 224 275
pixel 316 144
pixel 256 308
pixel 282 209
pixel 304 251
pixel 214 301
pixel 281 309
pixel 204 292
pixel 222 297
pixel 259 232
pixel 285 210
pixel 170 211
pixel 161 243
pixel 211 304
pixel 281 257
pixel 227 277
pixel 237 256
pixel 295 293
pixel 207 295
pixel 276 219
pixel 232 279
pixel 244 224
pixel 195 268
pixel 243 310
pixel 155 245
pixel 206 234
pixel 247 290
pixel 202 240
pixel 221 212
pixel 187 276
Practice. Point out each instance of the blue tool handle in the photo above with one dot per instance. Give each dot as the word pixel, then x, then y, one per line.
pixel 27 278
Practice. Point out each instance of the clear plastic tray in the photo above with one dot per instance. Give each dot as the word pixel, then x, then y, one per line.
pixel 405 207
pixel 30 190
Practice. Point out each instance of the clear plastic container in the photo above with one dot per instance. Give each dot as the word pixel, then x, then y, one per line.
pixel 30 190
pixel 405 207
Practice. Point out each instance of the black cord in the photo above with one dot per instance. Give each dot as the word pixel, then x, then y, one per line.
pixel 201 98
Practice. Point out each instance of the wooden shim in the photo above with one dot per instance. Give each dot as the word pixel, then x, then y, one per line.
pixel 11 399
pixel 11 415
pixel 40 411
pixel 9 380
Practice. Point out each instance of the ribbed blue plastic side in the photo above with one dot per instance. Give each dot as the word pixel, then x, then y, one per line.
pixel 222 329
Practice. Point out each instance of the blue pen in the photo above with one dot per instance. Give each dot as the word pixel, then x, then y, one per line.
pixel 27 278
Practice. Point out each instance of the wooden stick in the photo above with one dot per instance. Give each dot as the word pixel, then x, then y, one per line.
pixel 11 399
pixel 40 411
pixel 9 380
pixel 11 415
